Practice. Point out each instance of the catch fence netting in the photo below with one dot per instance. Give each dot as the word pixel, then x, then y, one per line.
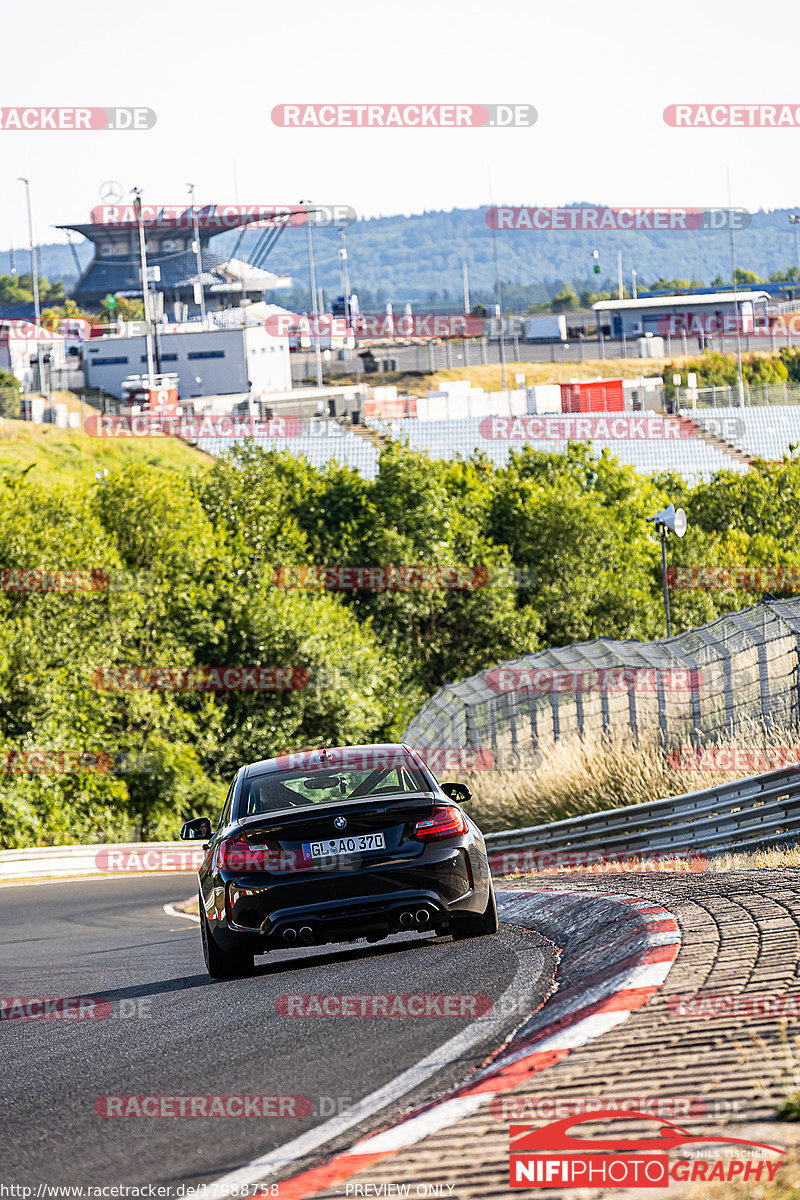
pixel 708 683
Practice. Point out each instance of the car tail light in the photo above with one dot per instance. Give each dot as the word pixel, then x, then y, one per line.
pixel 238 854
pixel 443 823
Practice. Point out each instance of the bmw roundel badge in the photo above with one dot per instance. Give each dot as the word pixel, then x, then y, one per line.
pixel 340 823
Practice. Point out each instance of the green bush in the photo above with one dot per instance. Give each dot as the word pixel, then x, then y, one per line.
pixel 187 572
pixel 9 395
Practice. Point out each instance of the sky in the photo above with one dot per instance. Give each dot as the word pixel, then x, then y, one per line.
pixel 598 75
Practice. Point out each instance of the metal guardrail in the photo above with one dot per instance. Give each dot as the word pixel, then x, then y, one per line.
pixel 758 811
pixel 101 859
pixel 747 814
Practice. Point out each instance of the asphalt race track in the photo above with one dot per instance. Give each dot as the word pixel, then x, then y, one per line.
pixel 171 1031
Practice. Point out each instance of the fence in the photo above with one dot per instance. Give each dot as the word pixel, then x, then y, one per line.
pixel 700 685
pixel 726 396
pixel 748 814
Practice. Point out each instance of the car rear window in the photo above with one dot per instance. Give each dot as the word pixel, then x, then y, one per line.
pixel 276 790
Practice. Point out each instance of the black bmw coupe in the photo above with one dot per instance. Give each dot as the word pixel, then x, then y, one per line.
pixel 336 845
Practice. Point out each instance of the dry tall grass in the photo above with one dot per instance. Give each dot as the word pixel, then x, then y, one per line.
pixel 593 773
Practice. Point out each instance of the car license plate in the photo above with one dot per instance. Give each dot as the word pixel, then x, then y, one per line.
pixel 344 845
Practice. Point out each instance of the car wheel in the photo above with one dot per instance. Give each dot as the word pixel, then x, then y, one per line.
pixel 222 964
pixel 477 924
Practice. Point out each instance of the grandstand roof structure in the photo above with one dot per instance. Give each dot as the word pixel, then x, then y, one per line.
pixel 682 300
pixel 115 267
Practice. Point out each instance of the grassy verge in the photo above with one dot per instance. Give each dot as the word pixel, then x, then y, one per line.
pixel 69 453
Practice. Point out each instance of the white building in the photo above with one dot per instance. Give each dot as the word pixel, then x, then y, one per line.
pixel 710 313
pixel 19 343
pixel 209 361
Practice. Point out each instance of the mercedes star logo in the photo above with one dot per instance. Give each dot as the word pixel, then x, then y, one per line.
pixel 111 191
pixel 340 823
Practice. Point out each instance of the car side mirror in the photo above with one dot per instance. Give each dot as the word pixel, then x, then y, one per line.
pixel 457 791
pixel 194 830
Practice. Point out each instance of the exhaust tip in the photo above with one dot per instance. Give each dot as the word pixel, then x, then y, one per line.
pixel 306 934
pixel 290 934
pixel 422 916
pixel 406 920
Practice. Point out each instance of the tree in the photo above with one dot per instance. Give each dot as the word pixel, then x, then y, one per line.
pixel 126 310
pixel 577 528
pixel 52 317
pixel 9 395
pixel 743 276
pixel 14 289
pixel 553 548
pixel 672 285
pixel 790 356
pixel 565 301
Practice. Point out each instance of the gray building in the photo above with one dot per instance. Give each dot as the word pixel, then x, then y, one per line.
pixel 713 314
pixel 208 361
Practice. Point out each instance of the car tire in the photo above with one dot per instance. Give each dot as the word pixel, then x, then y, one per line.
pixel 222 964
pixel 483 924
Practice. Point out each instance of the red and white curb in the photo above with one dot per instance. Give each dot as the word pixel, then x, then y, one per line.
pixel 179 909
pixel 595 1005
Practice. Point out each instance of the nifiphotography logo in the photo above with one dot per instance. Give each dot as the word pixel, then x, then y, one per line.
pixel 549 1156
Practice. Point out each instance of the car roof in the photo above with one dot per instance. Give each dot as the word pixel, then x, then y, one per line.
pixel 351 757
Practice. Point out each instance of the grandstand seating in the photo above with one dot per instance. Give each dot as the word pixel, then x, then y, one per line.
pixel 319 443
pixel 692 458
pixel 177 269
pixel 765 432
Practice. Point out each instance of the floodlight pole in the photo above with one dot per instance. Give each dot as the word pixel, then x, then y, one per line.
pixel 739 376
pixel 312 283
pixel 137 205
pixel 198 254
pixel 795 220
pixel 670 519
pixel 662 529
pixel 35 282
pixel 498 308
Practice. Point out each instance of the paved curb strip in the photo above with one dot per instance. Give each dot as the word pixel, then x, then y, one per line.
pixel 636 940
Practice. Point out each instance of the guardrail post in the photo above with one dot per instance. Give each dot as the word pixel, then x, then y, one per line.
pixel 604 706
pixel 512 713
pixel 727 693
pixel 662 710
pixel 694 700
pixel 632 720
pixel 472 733
pixel 763 683
pixel 533 719
pixel 492 716
pixel 554 709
